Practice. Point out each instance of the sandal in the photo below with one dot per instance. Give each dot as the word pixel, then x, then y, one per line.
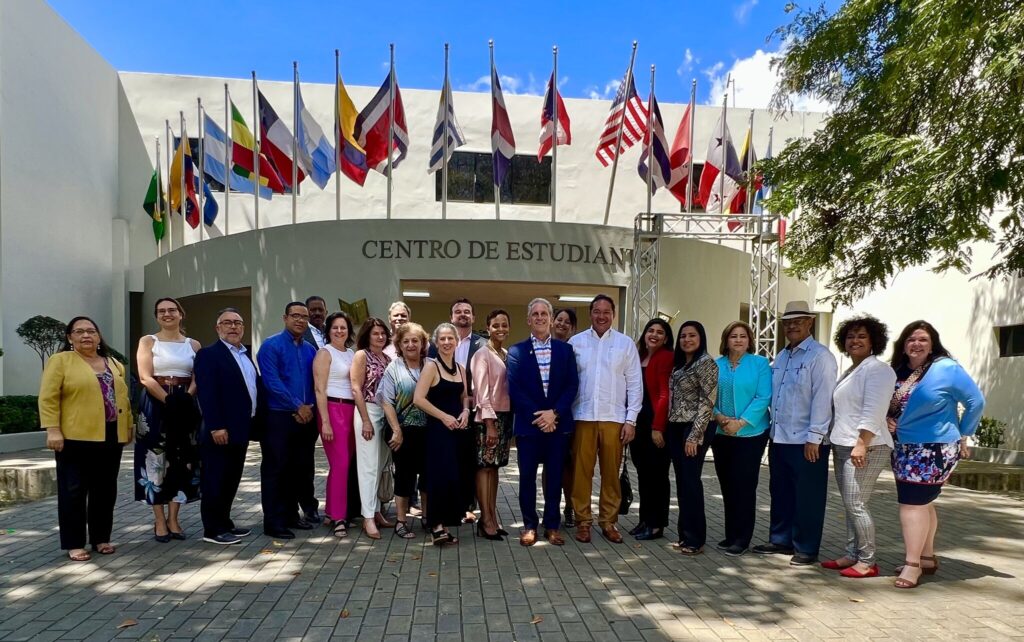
pixel 925 570
pixel 442 537
pixel 902 583
pixel 339 529
pixel 402 530
pixel 79 555
pixel 105 548
pixel 691 550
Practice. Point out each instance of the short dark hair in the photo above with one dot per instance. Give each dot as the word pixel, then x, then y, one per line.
pixel 315 297
pixel 570 312
pixel 702 349
pixel 461 300
pixel 329 321
pixel 878 333
pixel 496 313
pixel 602 297
pixel 641 345
pixel 288 308
pixel 899 356
pixel 102 349
pixel 724 348
pixel 363 340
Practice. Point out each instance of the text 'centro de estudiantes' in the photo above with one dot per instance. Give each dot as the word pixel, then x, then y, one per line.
pixel 617 259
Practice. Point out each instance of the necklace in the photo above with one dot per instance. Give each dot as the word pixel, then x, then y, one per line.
pixel 501 353
pixel 453 370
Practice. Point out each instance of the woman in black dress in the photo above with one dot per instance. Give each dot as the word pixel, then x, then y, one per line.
pixel 441 394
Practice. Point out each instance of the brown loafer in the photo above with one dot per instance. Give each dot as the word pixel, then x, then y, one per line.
pixel 528 538
pixel 612 534
pixel 583 533
pixel 554 537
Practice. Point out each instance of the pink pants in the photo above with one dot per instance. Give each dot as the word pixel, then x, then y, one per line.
pixel 340 453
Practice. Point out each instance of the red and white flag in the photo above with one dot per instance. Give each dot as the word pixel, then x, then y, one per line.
pixel 679 158
pixel 371 128
pixel 276 142
pixel 629 113
pixel 716 190
pixel 547 121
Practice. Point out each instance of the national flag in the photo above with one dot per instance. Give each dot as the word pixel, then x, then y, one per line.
pixel 655 147
pixel 764 189
pixel 446 128
pixel 276 141
pixel 210 206
pixel 214 148
pixel 155 204
pixel 547 121
pixel 503 142
pixel 243 144
pixel 371 129
pixel 351 156
pixel 679 158
pixel 181 165
pixel 627 111
pixel 716 189
pixel 316 154
pixel 747 161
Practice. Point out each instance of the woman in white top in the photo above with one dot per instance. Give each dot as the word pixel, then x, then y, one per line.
pixel 166 446
pixel 861 443
pixel 336 409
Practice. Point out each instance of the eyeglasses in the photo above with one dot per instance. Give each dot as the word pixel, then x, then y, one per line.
pixel 84 332
pixel 295 316
pixel 165 311
pixel 231 324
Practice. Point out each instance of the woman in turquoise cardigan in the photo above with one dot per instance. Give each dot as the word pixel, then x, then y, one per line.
pixel 741 411
pixel 930 438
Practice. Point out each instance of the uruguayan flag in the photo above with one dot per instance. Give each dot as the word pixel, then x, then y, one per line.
pixel 446 126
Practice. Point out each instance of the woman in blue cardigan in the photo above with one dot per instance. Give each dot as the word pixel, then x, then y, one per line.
pixel 741 411
pixel 930 437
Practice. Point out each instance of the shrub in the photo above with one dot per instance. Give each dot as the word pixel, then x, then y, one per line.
pixel 990 432
pixel 19 414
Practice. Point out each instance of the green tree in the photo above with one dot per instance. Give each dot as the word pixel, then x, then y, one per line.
pixel 925 143
pixel 43 334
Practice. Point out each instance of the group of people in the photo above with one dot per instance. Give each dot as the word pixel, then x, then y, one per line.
pixel 429 420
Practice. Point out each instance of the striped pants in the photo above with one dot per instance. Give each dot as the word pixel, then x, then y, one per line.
pixel 855 487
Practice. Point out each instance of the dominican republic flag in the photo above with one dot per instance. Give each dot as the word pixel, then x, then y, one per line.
pixel 181 165
pixel 316 154
pixel 547 121
pixel 503 143
pixel 215 145
pixel 679 158
pixel 629 112
pixel 446 127
pixel 721 158
pixel 372 128
pixel 655 146
pixel 276 142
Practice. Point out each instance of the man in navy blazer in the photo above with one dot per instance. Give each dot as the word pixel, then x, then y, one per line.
pixel 542 383
pixel 228 385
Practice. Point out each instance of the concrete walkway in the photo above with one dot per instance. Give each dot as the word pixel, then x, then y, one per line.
pixel 318 587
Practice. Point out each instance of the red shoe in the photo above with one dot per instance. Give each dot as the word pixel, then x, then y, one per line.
pixel 833 565
pixel 852 572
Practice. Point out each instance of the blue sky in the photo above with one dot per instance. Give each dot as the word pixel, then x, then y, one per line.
pixel 685 39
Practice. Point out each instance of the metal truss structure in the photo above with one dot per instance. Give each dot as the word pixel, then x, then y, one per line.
pixel 760 232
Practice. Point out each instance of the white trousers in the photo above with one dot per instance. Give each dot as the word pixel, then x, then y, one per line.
pixel 368 460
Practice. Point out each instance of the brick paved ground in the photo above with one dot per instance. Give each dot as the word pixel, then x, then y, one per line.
pixel 317 587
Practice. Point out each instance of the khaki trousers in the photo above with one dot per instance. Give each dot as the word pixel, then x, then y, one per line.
pixel 596 441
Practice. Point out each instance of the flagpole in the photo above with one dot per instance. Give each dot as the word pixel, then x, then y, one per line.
pixel 749 204
pixel 295 141
pixel 183 203
pixel 391 122
pixel 199 130
pixel 444 139
pixel 170 145
pixel 159 198
pixel 255 151
pixel 689 170
pixel 650 145
pixel 618 139
pixel 554 138
pixel 337 140
pixel 725 160
pixel 227 159
pixel 497 188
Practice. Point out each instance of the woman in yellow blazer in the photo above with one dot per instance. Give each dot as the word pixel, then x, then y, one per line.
pixel 84 407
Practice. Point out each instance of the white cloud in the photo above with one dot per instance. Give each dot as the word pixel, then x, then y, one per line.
pixel 596 93
pixel 755 84
pixel 742 11
pixel 685 67
pixel 509 84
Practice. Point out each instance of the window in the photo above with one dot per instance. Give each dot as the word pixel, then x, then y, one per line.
pixel 1011 341
pixel 470 180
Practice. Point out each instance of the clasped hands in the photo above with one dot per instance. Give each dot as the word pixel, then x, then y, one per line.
pixel 304 414
pixel 457 423
pixel 546 420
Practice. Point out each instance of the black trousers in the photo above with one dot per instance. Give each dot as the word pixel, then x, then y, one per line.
pixel 283 469
pixel 652 477
pixel 410 461
pixel 308 502
pixel 86 491
pixel 693 525
pixel 799 491
pixel 221 472
pixel 738 466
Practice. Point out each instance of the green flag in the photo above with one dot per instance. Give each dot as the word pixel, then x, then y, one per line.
pixel 155 205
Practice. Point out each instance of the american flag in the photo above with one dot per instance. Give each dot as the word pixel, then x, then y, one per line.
pixel 445 127
pixel 547 121
pixel 629 110
pixel 656 146
pixel 503 143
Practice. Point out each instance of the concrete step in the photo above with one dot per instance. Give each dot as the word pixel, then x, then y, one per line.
pixel 979 475
pixel 28 476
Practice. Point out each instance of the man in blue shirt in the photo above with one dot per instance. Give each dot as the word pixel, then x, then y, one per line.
pixel 286 365
pixel 803 377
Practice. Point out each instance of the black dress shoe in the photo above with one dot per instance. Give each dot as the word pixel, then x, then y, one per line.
pixel 240 532
pixel 178 535
pixel 772 549
pixel 724 544
pixel 301 525
pixel 802 559
pixel 735 550
pixel 649 533
pixel 314 518
pixel 284 533
pixel 641 526
pixel 163 539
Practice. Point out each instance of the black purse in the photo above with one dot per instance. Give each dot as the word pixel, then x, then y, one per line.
pixel 626 486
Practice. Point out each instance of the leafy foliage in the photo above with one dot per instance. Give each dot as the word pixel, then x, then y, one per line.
pixel 925 143
pixel 43 334
pixel 990 433
pixel 19 414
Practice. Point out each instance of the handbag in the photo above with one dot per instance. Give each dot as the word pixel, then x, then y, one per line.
pixel 386 484
pixel 626 486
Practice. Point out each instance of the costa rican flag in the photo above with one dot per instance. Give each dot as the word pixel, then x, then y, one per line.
pixel 372 128
pixel 445 127
pixel 656 147
pixel 547 121
pixel 629 111
pixel 503 143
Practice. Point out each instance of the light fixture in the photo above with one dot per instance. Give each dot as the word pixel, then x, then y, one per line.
pixel 416 294
pixel 575 298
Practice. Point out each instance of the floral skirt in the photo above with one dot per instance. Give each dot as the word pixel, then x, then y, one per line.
pixel 496 456
pixel 927 464
pixel 166 449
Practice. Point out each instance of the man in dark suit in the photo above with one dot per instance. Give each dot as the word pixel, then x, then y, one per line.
pixel 228 388
pixel 542 383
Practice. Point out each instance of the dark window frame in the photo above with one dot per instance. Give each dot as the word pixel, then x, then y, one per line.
pixel 1011 340
pixel 470 180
